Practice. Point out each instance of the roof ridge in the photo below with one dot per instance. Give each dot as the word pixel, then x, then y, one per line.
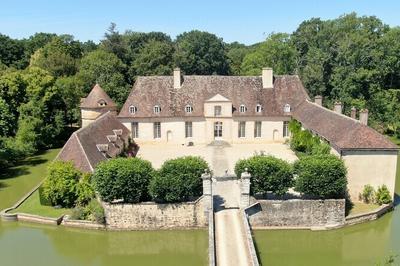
pixel 84 153
pixel 102 116
pixel 339 114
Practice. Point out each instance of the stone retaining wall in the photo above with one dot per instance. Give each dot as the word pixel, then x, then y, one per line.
pixel 150 215
pixel 39 219
pixel 296 213
pixel 369 216
pixel 81 223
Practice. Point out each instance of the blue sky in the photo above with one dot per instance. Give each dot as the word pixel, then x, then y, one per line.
pixel 244 21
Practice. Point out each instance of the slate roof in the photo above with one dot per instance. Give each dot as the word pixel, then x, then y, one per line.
pixel 81 148
pixel 342 132
pixel 97 94
pixel 195 90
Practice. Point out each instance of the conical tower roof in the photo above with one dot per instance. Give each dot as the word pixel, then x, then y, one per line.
pixel 97 98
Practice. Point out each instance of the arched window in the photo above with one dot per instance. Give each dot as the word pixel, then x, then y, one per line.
pixel 258 108
pixel 286 108
pixel 242 108
pixel 132 109
pixel 188 108
pixel 157 109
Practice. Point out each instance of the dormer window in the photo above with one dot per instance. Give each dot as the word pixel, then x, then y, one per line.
pixel 157 109
pixel 132 109
pixel 188 108
pixel 102 103
pixel 242 108
pixel 258 108
pixel 286 108
pixel 217 110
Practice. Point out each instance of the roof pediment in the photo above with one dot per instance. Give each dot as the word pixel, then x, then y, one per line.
pixel 218 98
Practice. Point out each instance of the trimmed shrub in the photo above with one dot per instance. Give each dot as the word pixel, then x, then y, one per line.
pixel 178 179
pixel 84 190
pixel 60 185
pixel 267 174
pixel 124 179
pixel 368 194
pixel 382 195
pixel 322 176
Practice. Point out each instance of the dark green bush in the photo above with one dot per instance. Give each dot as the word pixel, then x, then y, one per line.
pixel 124 179
pixel 60 185
pixel 322 176
pixel 42 198
pixel 382 195
pixel 84 190
pixel 178 179
pixel 267 174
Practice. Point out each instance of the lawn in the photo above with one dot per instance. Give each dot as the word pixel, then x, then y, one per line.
pixel 32 206
pixel 360 207
pixel 20 179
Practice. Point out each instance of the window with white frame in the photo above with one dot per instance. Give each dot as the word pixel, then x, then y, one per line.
pixel 242 129
pixel 242 108
pixel 258 108
pixel 188 129
pixel 286 108
pixel 217 110
pixel 157 130
pixel 132 109
pixel 257 129
pixel 285 129
pixel 135 130
pixel 188 108
pixel 157 109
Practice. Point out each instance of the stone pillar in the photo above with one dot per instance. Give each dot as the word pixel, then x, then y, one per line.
pixel 245 189
pixel 353 112
pixel 207 191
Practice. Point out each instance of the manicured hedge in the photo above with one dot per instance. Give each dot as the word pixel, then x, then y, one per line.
pixel 124 179
pixel 322 176
pixel 178 179
pixel 267 174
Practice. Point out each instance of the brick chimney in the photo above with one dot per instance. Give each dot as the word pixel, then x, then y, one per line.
pixel 177 78
pixel 364 116
pixel 337 107
pixel 318 100
pixel 267 78
pixel 353 112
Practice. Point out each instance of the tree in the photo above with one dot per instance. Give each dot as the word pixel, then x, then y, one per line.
pixel 11 51
pixel 236 52
pixel 275 52
pixel 322 176
pixel 7 119
pixel 178 179
pixel 268 174
pixel 201 53
pixel 124 179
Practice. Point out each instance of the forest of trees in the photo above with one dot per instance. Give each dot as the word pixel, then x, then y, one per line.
pixel 42 78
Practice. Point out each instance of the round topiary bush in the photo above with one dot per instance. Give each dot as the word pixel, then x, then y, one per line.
pixel 322 176
pixel 59 187
pixel 268 174
pixel 124 179
pixel 178 179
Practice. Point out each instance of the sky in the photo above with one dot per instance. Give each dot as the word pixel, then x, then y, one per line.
pixel 245 21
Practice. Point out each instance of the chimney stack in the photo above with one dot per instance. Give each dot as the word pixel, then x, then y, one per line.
pixel 267 78
pixel 338 107
pixel 364 116
pixel 353 112
pixel 318 100
pixel 177 78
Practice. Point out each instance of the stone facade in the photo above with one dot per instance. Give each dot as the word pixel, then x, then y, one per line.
pixel 150 215
pixel 297 213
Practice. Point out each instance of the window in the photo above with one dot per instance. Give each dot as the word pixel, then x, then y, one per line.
pixel 242 108
pixel 257 129
pixel 132 109
pixel 157 130
pixel 102 103
pixel 218 129
pixel 157 109
pixel 286 129
pixel 286 109
pixel 217 110
pixel 242 129
pixel 258 108
pixel 135 130
pixel 188 109
pixel 188 129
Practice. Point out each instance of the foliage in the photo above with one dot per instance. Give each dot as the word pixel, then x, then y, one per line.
pixel 322 176
pixel 382 195
pixel 268 174
pixel 368 194
pixel 84 190
pixel 178 179
pixel 95 212
pixel 60 184
pixel 6 119
pixel 124 179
